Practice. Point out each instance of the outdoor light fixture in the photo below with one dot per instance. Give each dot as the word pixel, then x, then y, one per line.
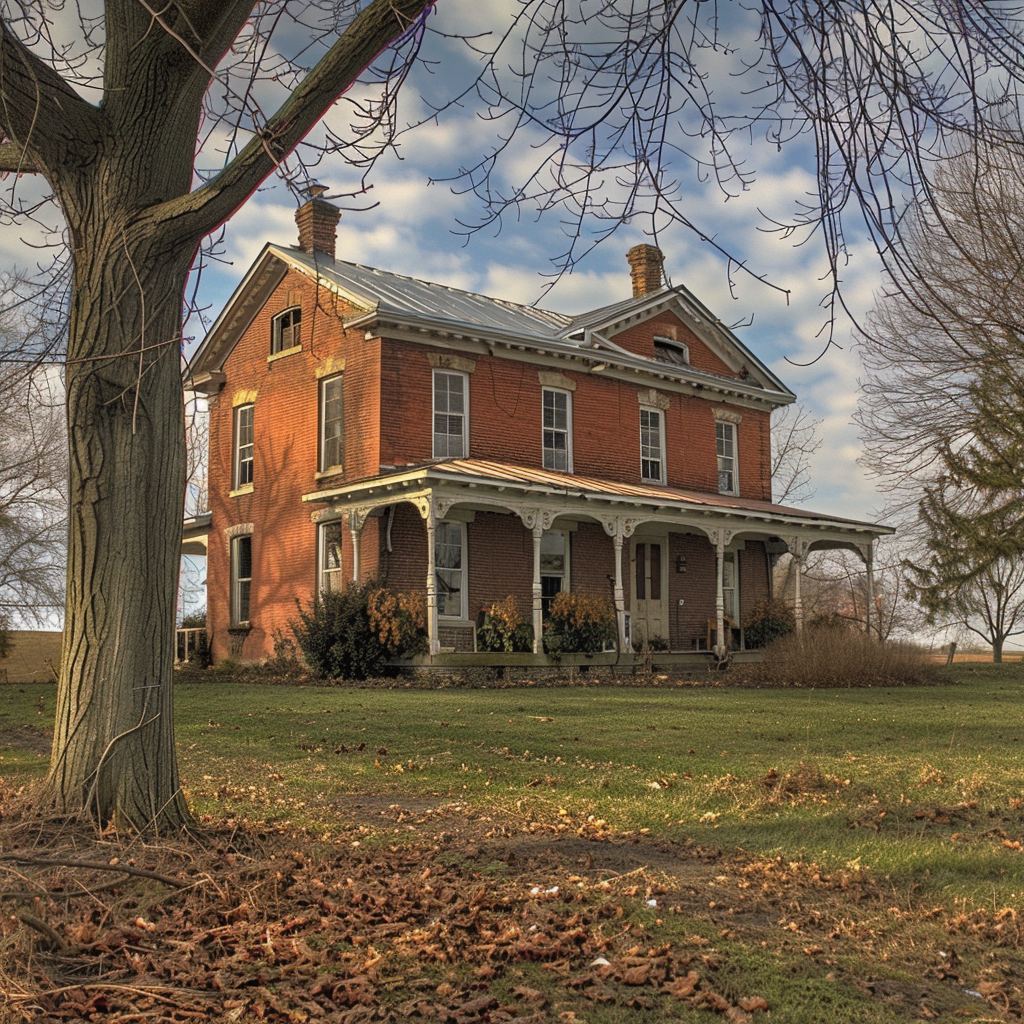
pixel 680 564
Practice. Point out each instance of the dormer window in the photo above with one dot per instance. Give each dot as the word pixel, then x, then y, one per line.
pixel 668 350
pixel 286 330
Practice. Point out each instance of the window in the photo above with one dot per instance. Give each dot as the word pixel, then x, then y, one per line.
pixel 729 585
pixel 450 408
pixel 449 569
pixel 242 469
pixel 332 426
pixel 330 576
pixel 670 351
pixel 557 419
pixel 286 330
pixel 554 566
pixel 725 436
pixel 652 447
pixel 241 579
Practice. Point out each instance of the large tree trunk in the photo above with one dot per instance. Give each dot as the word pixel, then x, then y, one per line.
pixel 997 650
pixel 113 753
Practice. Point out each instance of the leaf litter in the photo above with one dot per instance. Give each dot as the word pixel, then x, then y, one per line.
pixel 468 919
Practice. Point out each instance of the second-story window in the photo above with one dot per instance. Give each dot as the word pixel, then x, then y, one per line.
pixel 557 430
pixel 286 330
pixel 652 447
pixel 332 423
pixel 451 405
pixel 243 448
pixel 725 438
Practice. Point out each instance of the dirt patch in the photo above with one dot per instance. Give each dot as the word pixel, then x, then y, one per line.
pixel 32 738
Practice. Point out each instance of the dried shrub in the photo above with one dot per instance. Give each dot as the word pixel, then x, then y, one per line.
pixel 826 656
pixel 399 618
pixel 503 629
pixel 769 620
pixel 579 624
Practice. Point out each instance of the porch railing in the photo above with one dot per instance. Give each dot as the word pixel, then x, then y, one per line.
pixel 190 645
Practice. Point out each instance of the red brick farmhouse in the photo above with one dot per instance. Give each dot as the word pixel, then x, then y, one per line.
pixel 368 424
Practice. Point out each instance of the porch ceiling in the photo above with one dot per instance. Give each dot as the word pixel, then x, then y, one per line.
pixel 481 483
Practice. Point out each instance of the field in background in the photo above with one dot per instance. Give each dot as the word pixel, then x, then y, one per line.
pixel 27 662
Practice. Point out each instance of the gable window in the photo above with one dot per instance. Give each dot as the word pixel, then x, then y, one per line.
pixel 332 426
pixel 449 569
pixel 241 472
pixel 286 330
pixel 241 579
pixel 725 439
pixel 329 577
pixel 451 404
pixel 670 351
pixel 652 446
pixel 557 430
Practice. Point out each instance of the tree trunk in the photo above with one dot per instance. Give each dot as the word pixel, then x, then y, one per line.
pixel 113 752
pixel 997 651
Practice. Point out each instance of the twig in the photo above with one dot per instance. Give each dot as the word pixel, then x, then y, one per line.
pixel 44 929
pixel 96 866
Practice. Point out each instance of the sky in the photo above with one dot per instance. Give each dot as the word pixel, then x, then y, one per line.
pixel 414 229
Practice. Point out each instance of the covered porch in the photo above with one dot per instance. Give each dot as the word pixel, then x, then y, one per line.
pixel 678 567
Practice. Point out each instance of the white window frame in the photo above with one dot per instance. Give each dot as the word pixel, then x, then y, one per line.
pixel 548 457
pixel 647 458
pixel 323 462
pixel 566 536
pixel 244 453
pixel 333 579
pixel 240 584
pixel 435 412
pixel 446 526
pixel 731 594
pixel 672 345
pixel 728 463
pixel 284 338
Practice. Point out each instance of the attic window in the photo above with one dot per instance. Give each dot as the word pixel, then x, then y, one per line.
pixel 286 330
pixel 671 351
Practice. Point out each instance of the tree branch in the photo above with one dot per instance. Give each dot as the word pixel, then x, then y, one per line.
pixel 39 111
pixel 373 30
pixel 14 158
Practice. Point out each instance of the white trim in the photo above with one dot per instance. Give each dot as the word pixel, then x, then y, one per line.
pixel 661 440
pixel 321 551
pixel 321 465
pixel 463 613
pixel 731 428
pixel 464 377
pixel 568 430
pixel 236 580
pixel 238 485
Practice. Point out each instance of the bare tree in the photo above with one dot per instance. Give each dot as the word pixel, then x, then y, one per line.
pixel 153 124
pixel 794 442
pixel 33 475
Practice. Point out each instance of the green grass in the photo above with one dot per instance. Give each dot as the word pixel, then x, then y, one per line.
pixel 922 786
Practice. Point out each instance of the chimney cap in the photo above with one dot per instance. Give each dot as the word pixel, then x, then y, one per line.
pixel 312 190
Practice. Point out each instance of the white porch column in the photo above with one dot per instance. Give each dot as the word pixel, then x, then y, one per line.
pixel 798 549
pixel 869 560
pixel 355 527
pixel 433 639
pixel 619 593
pixel 720 645
pixel 538 604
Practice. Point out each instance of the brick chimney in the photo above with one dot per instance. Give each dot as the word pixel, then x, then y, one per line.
pixel 645 269
pixel 318 221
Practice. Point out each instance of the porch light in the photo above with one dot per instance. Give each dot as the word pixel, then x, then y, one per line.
pixel 680 564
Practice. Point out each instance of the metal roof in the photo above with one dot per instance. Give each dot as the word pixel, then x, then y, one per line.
pixel 484 471
pixel 396 294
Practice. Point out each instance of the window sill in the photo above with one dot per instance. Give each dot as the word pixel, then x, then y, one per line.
pixel 239 491
pixel 274 356
pixel 329 471
pixel 653 483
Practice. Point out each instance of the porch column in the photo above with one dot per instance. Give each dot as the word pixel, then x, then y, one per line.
pixel 720 645
pixel 538 604
pixel 798 605
pixel 619 593
pixel 433 639
pixel 869 561
pixel 355 527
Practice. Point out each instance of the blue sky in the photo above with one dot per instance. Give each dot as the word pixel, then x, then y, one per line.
pixel 414 229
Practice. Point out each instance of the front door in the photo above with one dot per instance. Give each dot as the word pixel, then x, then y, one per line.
pixel 648 565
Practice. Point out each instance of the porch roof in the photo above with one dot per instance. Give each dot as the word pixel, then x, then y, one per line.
pixel 468 479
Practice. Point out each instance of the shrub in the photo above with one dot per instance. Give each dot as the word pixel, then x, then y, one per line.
pixel 6 639
pixel 194 620
pixel 399 619
pixel 840 657
pixel 503 629
pixel 335 635
pixel 580 624
pixel 768 620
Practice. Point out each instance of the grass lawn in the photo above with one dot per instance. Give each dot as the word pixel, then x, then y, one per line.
pixel 848 835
